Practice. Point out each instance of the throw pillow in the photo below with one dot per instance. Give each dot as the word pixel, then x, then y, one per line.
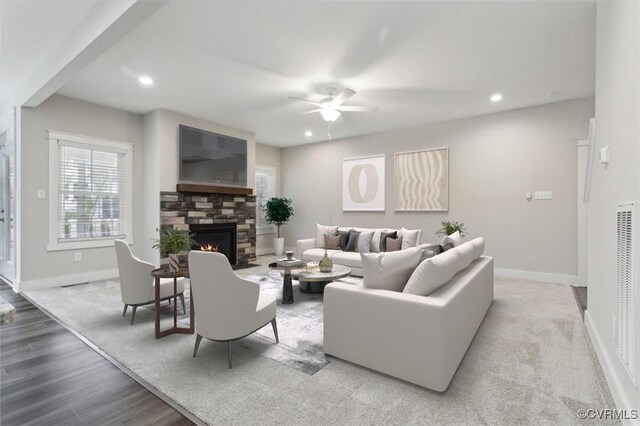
pixel 429 252
pixel 333 242
pixel 383 239
pixel 344 239
pixel 433 273
pixel 389 271
pixel 394 244
pixel 454 239
pixel 466 252
pixel 375 242
pixel 478 247
pixel 321 231
pixel 445 247
pixel 409 237
pixel 352 245
pixel 364 241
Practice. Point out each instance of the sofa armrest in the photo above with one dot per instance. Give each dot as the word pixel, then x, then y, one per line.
pixel 304 245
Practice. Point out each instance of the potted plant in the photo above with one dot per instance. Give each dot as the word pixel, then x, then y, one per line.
pixel 451 226
pixel 170 243
pixel 278 211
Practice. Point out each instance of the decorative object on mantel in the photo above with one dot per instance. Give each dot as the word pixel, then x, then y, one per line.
pixel 212 189
pixel 278 212
pixel 172 242
pixel 326 264
pixel 363 183
pixel 421 180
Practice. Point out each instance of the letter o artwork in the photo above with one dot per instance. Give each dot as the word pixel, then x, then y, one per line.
pixel 371 183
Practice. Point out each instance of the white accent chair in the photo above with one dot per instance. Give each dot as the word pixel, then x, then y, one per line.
pixel 137 287
pixel 227 307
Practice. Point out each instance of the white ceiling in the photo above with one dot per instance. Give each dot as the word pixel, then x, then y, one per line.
pixel 237 63
pixel 30 32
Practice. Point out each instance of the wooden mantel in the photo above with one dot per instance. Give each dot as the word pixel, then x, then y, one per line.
pixel 212 189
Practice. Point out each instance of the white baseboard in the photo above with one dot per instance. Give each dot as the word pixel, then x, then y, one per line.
pixel 67 280
pixel 621 399
pixel 536 276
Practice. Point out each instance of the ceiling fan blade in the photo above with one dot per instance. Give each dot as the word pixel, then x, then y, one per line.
pixel 355 108
pixel 311 112
pixel 311 101
pixel 343 96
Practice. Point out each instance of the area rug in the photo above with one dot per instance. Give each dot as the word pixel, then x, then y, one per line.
pixel 531 362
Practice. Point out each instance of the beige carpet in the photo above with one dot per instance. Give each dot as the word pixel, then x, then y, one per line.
pixel 530 363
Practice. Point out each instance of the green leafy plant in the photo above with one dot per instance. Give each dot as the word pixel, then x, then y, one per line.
pixel 172 241
pixel 451 226
pixel 278 211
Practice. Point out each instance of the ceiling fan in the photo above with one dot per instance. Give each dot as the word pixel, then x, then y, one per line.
pixel 331 107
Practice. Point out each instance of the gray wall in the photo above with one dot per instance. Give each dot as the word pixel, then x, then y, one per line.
pixel 270 156
pixel 73 116
pixel 617 112
pixel 493 159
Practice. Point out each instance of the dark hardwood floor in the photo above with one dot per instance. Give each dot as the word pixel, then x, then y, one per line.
pixel 49 376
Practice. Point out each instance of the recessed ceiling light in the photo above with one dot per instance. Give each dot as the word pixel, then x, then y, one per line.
pixel 496 98
pixel 147 81
pixel 308 133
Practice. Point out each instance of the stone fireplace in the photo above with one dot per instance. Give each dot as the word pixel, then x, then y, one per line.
pixel 227 221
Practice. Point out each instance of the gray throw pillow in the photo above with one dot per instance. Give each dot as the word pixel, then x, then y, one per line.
pixel 333 242
pixel 364 241
pixel 344 239
pixel 352 245
pixel 394 244
pixel 383 239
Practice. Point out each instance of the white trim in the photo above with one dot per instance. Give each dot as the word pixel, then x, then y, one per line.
pixel 18 218
pixel 54 139
pixel 71 279
pixel 536 276
pixel 269 229
pixel 614 381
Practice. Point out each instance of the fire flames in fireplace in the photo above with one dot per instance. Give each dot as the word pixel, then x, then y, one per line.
pixel 209 247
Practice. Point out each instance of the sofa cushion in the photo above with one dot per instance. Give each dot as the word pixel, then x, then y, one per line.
pixel 347 258
pixel 409 237
pixel 344 238
pixel 389 271
pixel 352 245
pixel 315 254
pixel 454 239
pixel 375 241
pixel 467 253
pixel 383 239
pixel 321 230
pixel 394 244
pixel 333 242
pixel 364 241
pixel 478 247
pixel 433 273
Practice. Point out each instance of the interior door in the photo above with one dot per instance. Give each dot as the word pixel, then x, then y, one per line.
pixel 7 199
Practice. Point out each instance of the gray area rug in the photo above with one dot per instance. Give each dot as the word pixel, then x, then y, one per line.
pixel 531 362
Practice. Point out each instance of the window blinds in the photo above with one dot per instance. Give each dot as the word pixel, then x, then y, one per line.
pixel 265 189
pixel 91 191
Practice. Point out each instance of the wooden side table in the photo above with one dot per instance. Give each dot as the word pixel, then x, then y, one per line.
pixel 165 273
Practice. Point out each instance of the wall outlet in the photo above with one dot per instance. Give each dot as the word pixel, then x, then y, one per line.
pixel 41 194
pixel 543 195
pixel 78 256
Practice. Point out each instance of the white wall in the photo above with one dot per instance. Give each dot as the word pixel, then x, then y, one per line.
pixel 39 266
pixel 617 114
pixel 494 160
pixel 161 172
pixel 270 156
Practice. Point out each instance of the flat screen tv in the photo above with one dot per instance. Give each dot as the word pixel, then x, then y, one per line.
pixel 209 157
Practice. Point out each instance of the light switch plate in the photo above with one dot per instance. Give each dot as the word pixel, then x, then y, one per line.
pixel 543 195
pixel 41 194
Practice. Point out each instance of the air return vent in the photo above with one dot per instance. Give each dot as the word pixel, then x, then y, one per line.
pixel 626 288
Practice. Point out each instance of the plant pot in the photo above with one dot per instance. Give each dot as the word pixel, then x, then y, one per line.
pixel 278 244
pixel 174 263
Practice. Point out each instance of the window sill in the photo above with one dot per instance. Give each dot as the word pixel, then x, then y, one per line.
pixel 75 245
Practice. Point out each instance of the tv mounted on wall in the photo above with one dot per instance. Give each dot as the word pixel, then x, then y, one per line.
pixel 208 157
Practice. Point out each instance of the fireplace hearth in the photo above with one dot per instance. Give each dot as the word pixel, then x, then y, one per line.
pixel 219 237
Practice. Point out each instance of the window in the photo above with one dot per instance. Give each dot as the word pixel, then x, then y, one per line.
pixel 265 189
pixel 90 191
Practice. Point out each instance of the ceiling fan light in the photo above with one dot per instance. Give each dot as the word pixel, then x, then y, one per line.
pixel 329 114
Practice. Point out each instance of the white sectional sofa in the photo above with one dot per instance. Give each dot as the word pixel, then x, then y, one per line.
pixel 420 339
pixel 310 251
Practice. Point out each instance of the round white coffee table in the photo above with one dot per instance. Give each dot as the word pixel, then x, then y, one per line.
pixel 315 281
